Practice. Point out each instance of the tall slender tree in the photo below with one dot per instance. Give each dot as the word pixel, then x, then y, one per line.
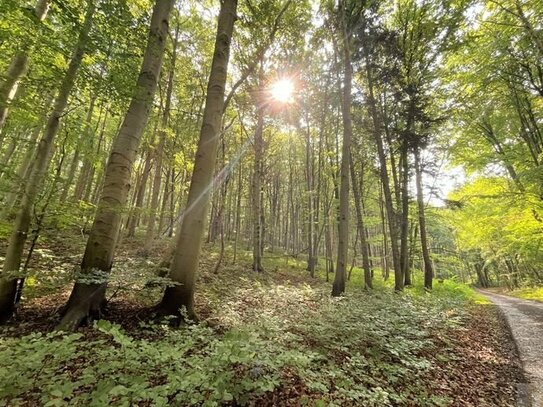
pixel 18 67
pixel 159 151
pixel 189 238
pixel 12 262
pixel 338 286
pixel 88 295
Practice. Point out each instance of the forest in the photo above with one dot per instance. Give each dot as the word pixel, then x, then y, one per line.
pixel 271 202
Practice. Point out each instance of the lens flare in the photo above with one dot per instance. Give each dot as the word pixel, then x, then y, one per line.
pixel 283 90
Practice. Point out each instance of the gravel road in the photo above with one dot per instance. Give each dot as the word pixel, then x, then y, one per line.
pixel 525 318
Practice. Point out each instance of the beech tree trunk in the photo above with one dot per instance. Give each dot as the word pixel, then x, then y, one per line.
pixel 385 264
pixel 87 133
pixel 159 152
pixel 311 207
pixel 17 69
pixel 391 216
pixel 189 240
pixel 338 286
pixel 361 228
pixel 14 252
pixel 88 296
pixel 23 171
pixel 134 216
pixel 404 225
pixel 257 192
pixel 428 266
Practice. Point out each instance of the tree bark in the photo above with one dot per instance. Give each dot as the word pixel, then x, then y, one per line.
pixel 134 216
pixel 17 69
pixel 404 229
pixel 428 267
pixel 311 209
pixel 257 192
pixel 87 297
pixel 75 161
pixel 23 171
pixel 391 216
pixel 184 266
pixel 159 153
pixel 361 229
pixel 12 262
pixel 385 264
pixel 338 286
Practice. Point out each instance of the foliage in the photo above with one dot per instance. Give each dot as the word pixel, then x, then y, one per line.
pixel 528 293
pixel 374 349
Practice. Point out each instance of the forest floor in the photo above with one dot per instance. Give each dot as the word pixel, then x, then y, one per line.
pixel 270 339
pixel 525 319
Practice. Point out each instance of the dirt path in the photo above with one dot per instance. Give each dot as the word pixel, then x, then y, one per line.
pixel 525 318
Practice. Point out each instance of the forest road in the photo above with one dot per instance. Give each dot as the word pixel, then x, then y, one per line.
pixel 525 319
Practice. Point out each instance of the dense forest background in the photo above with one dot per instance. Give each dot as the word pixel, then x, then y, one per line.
pixel 379 141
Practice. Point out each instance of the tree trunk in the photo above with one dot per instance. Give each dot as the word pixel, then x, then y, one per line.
pixel 391 216
pixel 157 182
pixel 428 268
pixel 164 204
pixel 133 219
pixel 361 229
pixel 25 165
pixel 17 69
pixel 97 185
pixel 8 152
pixel 385 264
pixel 338 286
pixel 237 222
pixel 404 230
pixel 75 160
pixel 257 192
pixel 87 297
pixel 189 240
pixel 310 186
pixel 12 262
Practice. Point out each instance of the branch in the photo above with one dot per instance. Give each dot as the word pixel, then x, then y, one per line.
pixel 259 54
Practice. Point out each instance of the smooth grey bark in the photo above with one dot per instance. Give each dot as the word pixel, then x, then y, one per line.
pixel 135 212
pixel 404 216
pixel 385 179
pixel 428 265
pixel 12 262
pixel 311 207
pixel 338 286
pixel 17 69
pixel 184 266
pixel 159 152
pixel 87 297
pixel 23 171
pixel 75 160
pixel 256 188
pixel 8 152
pixel 164 203
pixel 361 228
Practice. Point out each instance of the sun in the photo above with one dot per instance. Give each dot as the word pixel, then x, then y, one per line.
pixel 282 90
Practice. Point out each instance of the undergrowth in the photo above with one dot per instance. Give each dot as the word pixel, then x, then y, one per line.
pixel 272 336
pixel 533 293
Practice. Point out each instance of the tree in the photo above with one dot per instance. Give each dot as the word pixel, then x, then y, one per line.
pixel 88 294
pixel 189 238
pixel 12 262
pixel 159 151
pixel 256 188
pixel 17 68
pixel 343 231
